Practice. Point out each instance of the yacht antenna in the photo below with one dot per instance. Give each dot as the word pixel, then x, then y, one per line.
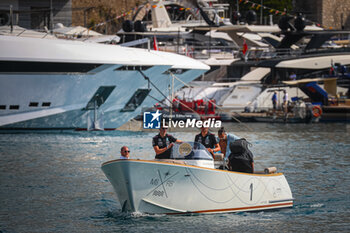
pixel 11 18
pixel 51 17
pixel 95 113
pixel 172 96
pixel 261 12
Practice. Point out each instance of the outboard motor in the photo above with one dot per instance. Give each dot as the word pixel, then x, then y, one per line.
pixel 284 23
pixel 140 26
pixel 236 16
pixel 128 26
pixel 299 22
pixel 251 17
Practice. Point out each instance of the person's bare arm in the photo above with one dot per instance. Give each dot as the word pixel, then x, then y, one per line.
pixel 159 151
pixel 217 147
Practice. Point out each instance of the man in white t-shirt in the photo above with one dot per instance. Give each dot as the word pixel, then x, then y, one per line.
pixel 285 101
pixel 124 153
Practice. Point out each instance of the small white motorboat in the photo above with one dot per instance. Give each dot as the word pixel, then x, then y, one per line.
pixel 190 183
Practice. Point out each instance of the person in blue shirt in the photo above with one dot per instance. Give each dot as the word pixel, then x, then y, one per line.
pixel 274 100
pixel 224 141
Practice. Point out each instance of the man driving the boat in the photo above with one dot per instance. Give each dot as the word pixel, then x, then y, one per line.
pixel 163 142
pixel 224 141
pixel 208 140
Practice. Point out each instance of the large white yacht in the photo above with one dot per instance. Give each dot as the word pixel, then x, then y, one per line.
pixel 59 84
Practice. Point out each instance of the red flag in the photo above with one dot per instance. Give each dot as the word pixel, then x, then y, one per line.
pixel 155 43
pixel 245 48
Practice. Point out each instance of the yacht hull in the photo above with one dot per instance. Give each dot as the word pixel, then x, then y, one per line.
pixel 69 94
pixel 167 188
pixel 58 84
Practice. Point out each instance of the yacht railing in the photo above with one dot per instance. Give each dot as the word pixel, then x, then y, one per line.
pixel 205 52
pixel 22 32
pixel 262 54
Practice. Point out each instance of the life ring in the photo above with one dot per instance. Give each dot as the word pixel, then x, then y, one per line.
pixel 316 111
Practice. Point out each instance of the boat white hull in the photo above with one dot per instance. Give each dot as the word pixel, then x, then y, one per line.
pixel 48 84
pixel 69 94
pixel 166 188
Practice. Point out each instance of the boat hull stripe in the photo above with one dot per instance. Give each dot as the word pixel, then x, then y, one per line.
pixel 288 204
pixel 284 200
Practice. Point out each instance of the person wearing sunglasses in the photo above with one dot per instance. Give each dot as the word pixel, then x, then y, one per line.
pixel 163 142
pixel 124 153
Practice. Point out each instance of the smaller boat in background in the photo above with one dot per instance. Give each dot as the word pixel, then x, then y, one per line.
pixel 330 102
pixel 188 182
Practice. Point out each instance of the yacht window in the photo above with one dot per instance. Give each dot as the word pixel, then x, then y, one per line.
pixel 46 104
pixel 145 67
pixel 136 100
pixel 14 107
pixel 131 68
pixel 99 97
pixel 45 67
pixel 2 107
pixel 176 71
pixel 33 104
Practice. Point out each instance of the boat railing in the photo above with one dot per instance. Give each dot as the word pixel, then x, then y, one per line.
pixel 327 50
pixel 205 52
pixel 264 53
pixel 288 52
pixel 194 22
pixel 23 32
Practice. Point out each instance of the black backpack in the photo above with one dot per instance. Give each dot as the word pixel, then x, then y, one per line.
pixel 240 158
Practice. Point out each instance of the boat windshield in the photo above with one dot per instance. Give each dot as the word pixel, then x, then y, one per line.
pixel 190 151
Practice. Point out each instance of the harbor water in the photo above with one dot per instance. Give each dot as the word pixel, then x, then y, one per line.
pixel 53 182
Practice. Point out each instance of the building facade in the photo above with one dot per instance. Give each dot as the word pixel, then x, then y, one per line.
pixel 89 13
pixel 334 14
pixel 36 14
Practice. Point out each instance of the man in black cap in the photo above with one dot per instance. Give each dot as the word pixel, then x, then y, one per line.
pixel 163 142
pixel 208 140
